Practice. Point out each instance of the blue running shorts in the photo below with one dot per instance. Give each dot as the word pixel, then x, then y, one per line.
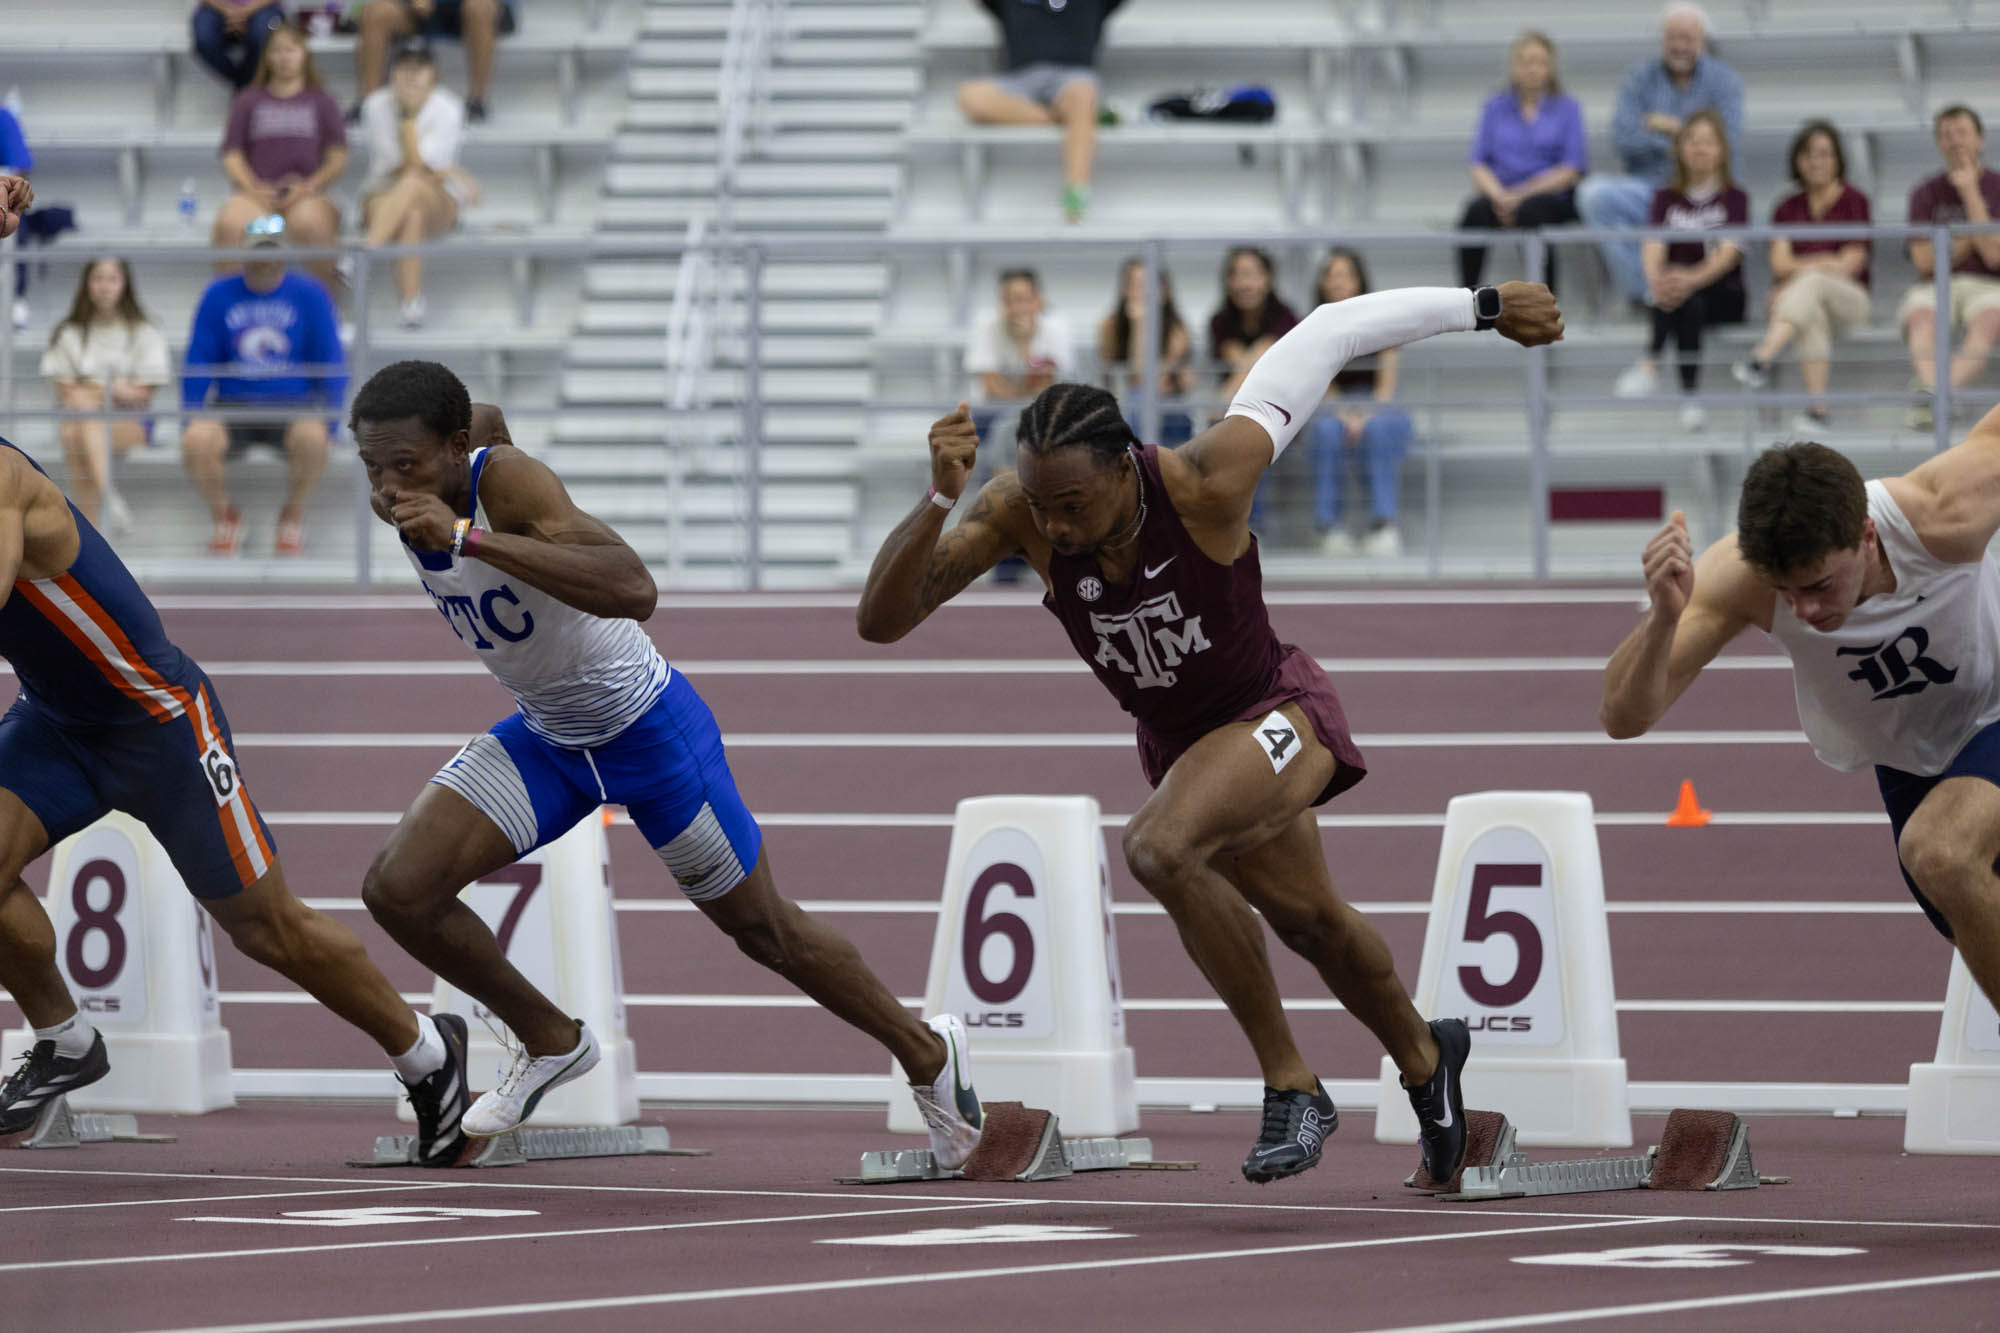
pixel 1903 792
pixel 667 769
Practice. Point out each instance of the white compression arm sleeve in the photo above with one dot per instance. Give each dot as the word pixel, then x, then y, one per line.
pixel 1286 385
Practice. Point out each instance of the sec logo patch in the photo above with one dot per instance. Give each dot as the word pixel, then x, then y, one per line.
pixel 1089 589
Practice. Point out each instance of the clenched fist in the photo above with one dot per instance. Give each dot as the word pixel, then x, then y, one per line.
pixel 1669 565
pixel 954 447
pixel 15 197
pixel 1529 314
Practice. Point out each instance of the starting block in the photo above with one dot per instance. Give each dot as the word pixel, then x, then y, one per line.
pixel 1018 1143
pixel 59 1127
pixel 1699 1150
pixel 520 1146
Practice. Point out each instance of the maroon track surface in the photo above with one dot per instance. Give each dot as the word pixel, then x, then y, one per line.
pixel 1407 1261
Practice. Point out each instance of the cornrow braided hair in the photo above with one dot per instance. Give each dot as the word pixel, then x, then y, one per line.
pixel 1069 416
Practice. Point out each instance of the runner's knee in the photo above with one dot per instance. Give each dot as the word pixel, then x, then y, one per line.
pixel 1158 856
pixel 393 896
pixel 767 939
pixel 1945 868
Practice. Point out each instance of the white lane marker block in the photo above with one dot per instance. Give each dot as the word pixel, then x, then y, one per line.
pixel 1955 1099
pixel 138 953
pixel 1027 955
pixel 551 912
pixel 1517 945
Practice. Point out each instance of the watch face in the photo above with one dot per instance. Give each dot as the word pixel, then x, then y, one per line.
pixel 1489 303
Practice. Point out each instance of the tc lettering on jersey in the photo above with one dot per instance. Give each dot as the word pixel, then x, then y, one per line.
pixel 1887 670
pixel 485 615
pixel 1149 640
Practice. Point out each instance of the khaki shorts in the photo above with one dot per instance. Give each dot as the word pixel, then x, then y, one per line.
pixel 1970 295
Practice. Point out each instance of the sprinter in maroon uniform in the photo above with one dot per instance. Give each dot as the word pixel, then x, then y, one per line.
pixel 1150 565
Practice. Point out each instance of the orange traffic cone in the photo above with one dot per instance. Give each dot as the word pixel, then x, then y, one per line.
pixel 610 818
pixel 1687 811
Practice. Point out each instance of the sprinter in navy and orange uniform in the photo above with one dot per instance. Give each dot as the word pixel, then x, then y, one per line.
pixel 112 716
pixel 1150 564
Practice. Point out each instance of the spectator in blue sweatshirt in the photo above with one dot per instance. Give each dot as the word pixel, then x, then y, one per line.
pixel 274 332
pixel 1655 99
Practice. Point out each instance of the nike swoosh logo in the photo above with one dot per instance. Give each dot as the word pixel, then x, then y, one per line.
pixel 1154 570
pixel 1446 1122
pixel 968 1100
pixel 1279 410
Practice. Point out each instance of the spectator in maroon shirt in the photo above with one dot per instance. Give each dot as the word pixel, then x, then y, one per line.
pixel 1691 284
pixel 285 144
pixel 1822 284
pixel 1965 191
pixel 1251 317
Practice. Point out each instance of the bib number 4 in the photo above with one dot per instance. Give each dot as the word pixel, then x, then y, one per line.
pixel 1279 739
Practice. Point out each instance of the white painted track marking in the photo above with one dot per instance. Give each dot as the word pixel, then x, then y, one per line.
pixel 385 1188
pixel 853 1284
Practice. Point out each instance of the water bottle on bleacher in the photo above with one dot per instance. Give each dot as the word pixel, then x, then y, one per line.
pixel 190 202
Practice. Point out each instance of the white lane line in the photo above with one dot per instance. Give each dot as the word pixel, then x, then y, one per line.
pixel 203 1256
pixel 313 603
pixel 862 1283
pixel 222 1198
pixel 1038 740
pixel 943 819
pixel 1689 1303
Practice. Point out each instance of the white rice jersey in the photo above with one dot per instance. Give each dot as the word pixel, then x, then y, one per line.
pixel 1910 676
pixel 580 679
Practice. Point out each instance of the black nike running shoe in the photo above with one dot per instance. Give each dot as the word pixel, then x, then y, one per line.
pixel 440 1099
pixel 1440 1102
pixel 44 1076
pixel 1295 1128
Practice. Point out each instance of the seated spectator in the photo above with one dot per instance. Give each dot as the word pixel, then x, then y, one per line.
pixel 267 339
pixel 229 36
pixel 285 144
pixel 1124 362
pixel 16 160
pixel 1656 98
pixel 1692 284
pixel 1250 318
pixel 1050 58
pixel 1965 191
pixel 1360 424
pixel 1016 351
pixel 1822 284
pixel 415 185
pixel 1527 155
pixel 104 353
pixel 479 23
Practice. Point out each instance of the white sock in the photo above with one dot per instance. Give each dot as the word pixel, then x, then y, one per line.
pixel 423 1059
pixel 72 1036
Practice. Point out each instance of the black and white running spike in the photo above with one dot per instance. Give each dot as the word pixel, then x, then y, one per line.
pixel 44 1076
pixel 440 1099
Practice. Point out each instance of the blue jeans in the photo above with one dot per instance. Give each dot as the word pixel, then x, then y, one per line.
pixel 234 62
pixel 1385 438
pixel 1619 201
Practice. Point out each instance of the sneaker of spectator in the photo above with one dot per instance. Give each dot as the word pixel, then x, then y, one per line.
pixel 478 23
pixel 1965 191
pixel 1049 55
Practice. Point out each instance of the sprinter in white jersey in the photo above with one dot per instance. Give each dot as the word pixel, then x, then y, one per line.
pixel 1884 597
pixel 549 599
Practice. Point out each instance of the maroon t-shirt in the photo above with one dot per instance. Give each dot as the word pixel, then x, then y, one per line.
pixel 1937 200
pixel 1728 208
pixel 284 136
pixel 1850 206
pixel 1227 325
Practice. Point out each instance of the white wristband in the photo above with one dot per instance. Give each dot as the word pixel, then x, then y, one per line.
pixel 944 502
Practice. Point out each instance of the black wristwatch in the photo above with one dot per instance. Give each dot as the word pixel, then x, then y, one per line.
pixel 1486 307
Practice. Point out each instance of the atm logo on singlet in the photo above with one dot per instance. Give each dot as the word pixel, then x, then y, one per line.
pixel 497 612
pixel 1898 666
pixel 1148 641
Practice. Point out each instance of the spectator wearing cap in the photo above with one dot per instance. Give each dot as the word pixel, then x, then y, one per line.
pixel 1655 99
pixel 229 36
pixel 1965 191
pixel 284 146
pixel 1527 154
pixel 265 339
pixel 415 186
pixel 1049 63
pixel 478 23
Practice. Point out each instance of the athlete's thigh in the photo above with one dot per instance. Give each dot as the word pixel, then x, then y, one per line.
pixel 45 794
pixel 1958 820
pixel 500 797
pixel 1285 876
pixel 1243 784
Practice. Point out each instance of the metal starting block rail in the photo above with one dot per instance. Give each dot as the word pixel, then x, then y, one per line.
pixel 1699 1150
pixel 521 1146
pixel 59 1127
pixel 1017 1143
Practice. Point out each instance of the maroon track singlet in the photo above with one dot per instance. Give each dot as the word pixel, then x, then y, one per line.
pixel 1185 644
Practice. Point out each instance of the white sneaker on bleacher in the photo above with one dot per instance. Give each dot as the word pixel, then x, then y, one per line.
pixel 1640 381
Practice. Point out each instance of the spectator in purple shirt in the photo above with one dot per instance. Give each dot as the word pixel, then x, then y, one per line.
pixel 1965 191
pixel 1822 284
pixel 285 144
pixel 1527 154
pixel 1691 284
